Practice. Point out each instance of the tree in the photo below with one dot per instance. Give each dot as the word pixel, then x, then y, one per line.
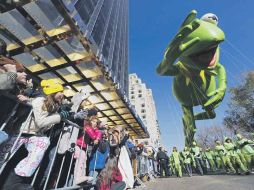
pixel 240 113
pixel 206 136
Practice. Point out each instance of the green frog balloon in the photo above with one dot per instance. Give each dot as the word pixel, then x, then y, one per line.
pixel 192 57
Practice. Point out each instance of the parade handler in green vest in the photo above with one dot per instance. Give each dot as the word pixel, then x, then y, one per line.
pixel 245 146
pixel 187 158
pixel 177 162
pixel 223 153
pixel 234 157
pixel 210 158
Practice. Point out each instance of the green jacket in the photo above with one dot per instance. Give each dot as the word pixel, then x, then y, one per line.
pixel 221 150
pixel 176 156
pixel 196 151
pixel 231 148
pixel 244 145
pixel 209 154
pixel 186 157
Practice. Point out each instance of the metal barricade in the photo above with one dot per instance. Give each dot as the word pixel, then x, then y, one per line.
pixel 147 167
pixel 64 173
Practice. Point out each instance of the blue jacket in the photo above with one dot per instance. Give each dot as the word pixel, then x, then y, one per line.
pixel 101 159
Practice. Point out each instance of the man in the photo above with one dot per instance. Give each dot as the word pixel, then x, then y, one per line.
pixel 209 154
pixel 196 151
pixel 234 157
pixel 223 153
pixel 176 157
pixel 168 164
pixel 248 152
pixel 162 160
pixel 187 158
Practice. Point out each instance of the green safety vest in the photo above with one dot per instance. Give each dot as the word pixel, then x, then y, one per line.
pixel 221 150
pixel 246 149
pixel 186 157
pixel 196 151
pixel 176 157
pixel 230 147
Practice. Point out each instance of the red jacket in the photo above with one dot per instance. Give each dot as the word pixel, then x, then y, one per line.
pixel 93 133
pixel 116 177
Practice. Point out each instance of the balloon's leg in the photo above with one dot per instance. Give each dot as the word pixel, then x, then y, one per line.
pixel 208 114
pixel 188 124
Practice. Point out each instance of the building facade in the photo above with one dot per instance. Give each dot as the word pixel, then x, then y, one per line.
pixel 105 24
pixel 141 98
pixel 83 44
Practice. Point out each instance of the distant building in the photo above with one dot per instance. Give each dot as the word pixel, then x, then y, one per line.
pixel 141 98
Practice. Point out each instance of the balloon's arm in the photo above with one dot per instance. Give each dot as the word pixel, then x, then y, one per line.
pixel 218 95
pixel 191 16
pixel 176 47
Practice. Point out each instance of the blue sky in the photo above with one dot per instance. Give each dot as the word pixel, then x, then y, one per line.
pixel 153 23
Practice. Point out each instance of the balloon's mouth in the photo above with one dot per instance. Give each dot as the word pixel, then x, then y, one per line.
pixel 206 58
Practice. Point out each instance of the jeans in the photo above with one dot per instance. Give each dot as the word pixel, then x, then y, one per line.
pixel 118 186
pixel 3 136
pixel 200 165
pixel 188 169
pixel 93 174
pixel 163 167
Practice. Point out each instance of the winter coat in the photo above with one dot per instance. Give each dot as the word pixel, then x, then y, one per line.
pixel 93 133
pixel 99 157
pixel 41 120
pixel 7 80
pixel 116 177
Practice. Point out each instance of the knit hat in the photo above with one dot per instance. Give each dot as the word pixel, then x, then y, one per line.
pixel 5 60
pixel 51 86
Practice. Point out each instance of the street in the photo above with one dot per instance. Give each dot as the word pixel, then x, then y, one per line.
pixel 209 182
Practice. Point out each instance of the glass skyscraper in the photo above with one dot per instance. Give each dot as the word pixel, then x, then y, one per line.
pixel 83 44
pixel 105 24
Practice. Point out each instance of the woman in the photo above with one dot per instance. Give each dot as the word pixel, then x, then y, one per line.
pixel 91 128
pixel 46 113
pixel 110 177
pixel 92 136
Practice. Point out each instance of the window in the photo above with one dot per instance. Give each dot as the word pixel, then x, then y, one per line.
pixel 132 92
pixel 144 116
pixel 142 105
pixel 143 111
pixel 140 95
pixel 132 97
pixel 85 9
pixel 140 91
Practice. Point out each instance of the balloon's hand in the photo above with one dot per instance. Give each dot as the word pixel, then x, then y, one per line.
pixel 216 98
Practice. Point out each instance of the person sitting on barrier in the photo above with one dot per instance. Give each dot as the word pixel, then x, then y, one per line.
pixel 110 177
pixel 45 115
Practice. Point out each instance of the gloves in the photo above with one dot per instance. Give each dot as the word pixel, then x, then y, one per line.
pixel 64 114
pixel 216 98
pixel 81 115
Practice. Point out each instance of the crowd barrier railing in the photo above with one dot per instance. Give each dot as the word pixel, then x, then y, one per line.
pixel 61 159
pixel 60 165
